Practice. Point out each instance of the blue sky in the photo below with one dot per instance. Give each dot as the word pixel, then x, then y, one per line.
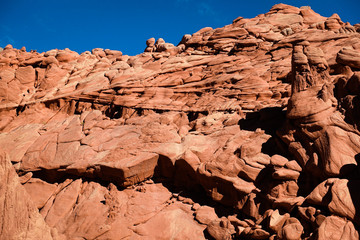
pixel 125 25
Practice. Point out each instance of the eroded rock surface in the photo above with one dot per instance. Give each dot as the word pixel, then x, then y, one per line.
pixel 20 218
pixel 250 131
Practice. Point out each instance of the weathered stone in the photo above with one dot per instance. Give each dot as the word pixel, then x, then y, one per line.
pixel 292 230
pixel 278 160
pixel 277 220
pixel 20 218
pixel 343 197
pixel 334 227
pixel 286 174
pixel 220 229
pixel 254 115
pixel 205 215
pixel 348 56
pixel 40 191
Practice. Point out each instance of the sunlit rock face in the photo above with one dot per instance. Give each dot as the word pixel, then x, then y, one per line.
pixel 249 131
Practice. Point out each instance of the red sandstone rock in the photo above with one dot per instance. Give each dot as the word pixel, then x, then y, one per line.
pixel 350 57
pixel 20 218
pixel 248 117
pixel 334 227
pixel 171 223
pixel 343 197
pixel 277 221
pixel 292 229
pixel 205 215
pixel 40 191
pixel 220 229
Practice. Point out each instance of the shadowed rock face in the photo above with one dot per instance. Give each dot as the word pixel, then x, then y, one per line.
pixel 249 131
pixel 328 144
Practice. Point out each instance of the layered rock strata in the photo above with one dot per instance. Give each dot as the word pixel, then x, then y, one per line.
pixel 249 131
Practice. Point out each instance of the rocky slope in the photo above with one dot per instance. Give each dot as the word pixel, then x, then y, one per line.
pixel 250 131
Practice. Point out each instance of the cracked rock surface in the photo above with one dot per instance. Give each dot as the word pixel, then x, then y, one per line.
pixel 249 131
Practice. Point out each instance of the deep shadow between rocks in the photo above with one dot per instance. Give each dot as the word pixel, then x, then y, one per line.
pixel 58 176
pixel 267 119
pixel 165 168
pixel 353 186
pixel 261 180
pixel 275 146
pixel 52 175
pixel 307 182
pixel 207 235
pixel 352 173
pixel 184 182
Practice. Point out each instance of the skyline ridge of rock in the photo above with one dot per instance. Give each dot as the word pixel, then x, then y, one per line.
pixel 249 131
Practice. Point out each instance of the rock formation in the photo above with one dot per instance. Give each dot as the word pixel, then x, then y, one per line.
pixel 250 131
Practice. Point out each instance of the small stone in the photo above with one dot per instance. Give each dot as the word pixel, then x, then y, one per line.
pixel 160 41
pixel 239 230
pixel 218 230
pixel 25 178
pixel 277 160
pixel 286 174
pixel 180 198
pixel 320 219
pixel 293 165
pixel 195 206
pixel 188 201
pixel 9 46
pixel 237 222
pixel 260 234
pixel 277 220
pixel 150 42
pixel 149 181
pixel 292 230
pixel 205 215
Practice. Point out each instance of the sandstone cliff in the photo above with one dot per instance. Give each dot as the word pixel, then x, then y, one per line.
pixel 250 131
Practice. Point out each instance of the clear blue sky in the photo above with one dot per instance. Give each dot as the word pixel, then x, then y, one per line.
pixel 125 25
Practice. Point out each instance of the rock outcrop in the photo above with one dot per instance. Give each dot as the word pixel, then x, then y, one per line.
pixel 250 131
pixel 20 218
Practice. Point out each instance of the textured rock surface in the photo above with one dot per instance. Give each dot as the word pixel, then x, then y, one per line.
pixel 250 131
pixel 20 218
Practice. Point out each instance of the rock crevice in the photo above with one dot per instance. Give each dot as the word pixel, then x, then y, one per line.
pixel 249 131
